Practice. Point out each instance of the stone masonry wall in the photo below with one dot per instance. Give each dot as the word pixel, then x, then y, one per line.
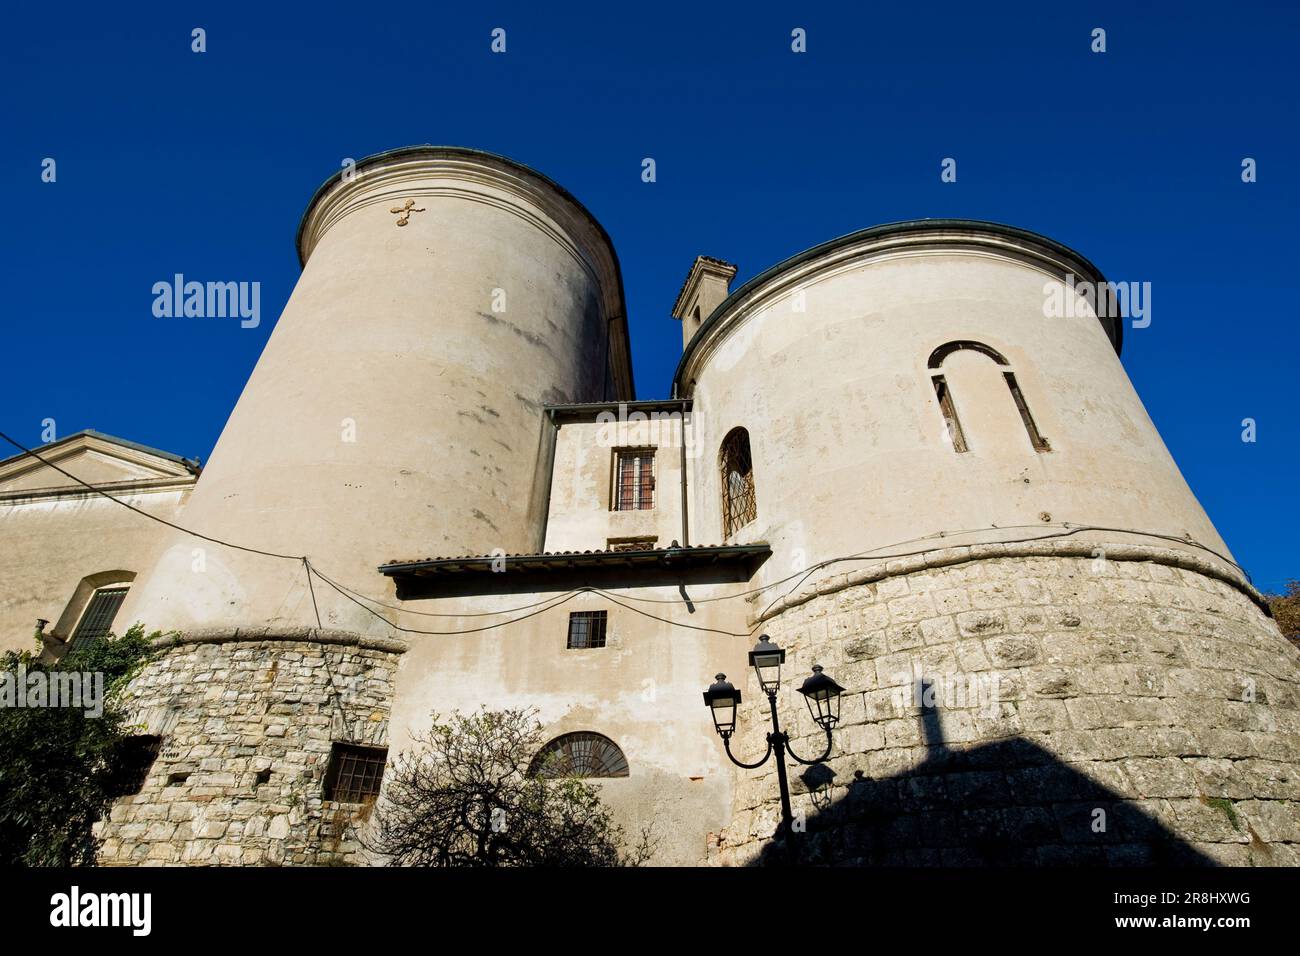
pixel 247 722
pixel 1092 711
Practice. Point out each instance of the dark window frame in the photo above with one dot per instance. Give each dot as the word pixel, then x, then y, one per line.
pixel 635 491
pixel 583 754
pixel 96 621
pixel 132 763
pixel 592 630
pixel 949 410
pixel 638 543
pixel 739 505
pixel 355 772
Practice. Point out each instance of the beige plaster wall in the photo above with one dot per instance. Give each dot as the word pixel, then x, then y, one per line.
pixel 849 445
pixel 581 509
pixel 393 412
pixel 50 545
pixel 643 691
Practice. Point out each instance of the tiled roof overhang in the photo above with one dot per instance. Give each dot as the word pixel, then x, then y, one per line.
pixel 588 411
pixel 595 562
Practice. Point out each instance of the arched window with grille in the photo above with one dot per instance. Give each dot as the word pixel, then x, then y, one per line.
pixel 581 754
pixel 948 408
pixel 89 615
pixel 739 503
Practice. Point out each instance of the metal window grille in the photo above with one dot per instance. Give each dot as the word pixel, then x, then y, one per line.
pixel 739 503
pixel 587 629
pixel 580 754
pixel 354 773
pixel 1039 442
pixel 957 436
pixel 132 761
pixel 97 620
pixel 635 489
pixel 631 544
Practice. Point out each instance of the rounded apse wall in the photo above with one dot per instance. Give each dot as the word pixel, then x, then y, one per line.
pixel 446 295
pixel 1111 696
pixel 834 362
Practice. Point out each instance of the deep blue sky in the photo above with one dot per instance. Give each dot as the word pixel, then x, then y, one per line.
pixel 170 162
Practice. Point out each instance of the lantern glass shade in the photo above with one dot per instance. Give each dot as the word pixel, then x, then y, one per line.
pixel 766 659
pixel 722 699
pixel 823 697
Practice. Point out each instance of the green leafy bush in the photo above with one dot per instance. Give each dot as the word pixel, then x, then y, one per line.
pixel 60 768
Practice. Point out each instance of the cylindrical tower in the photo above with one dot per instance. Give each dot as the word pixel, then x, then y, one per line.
pixel 911 379
pixel 933 407
pixel 446 294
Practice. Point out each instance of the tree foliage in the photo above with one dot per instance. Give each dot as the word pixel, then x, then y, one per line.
pixel 1286 611
pixel 463 797
pixel 59 768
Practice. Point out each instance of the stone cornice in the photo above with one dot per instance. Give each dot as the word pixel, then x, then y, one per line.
pixel 287 634
pixel 141 486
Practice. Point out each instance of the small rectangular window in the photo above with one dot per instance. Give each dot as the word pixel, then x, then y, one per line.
pixel 1038 441
pixel 97 620
pixel 587 629
pixel 949 414
pixel 631 544
pixel 354 772
pixel 634 480
pixel 131 762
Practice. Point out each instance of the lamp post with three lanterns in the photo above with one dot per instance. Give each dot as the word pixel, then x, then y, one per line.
pixel 821 693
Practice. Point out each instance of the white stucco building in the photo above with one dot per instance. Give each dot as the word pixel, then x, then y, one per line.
pixel 882 452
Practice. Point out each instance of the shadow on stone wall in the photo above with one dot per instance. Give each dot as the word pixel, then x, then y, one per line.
pixel 1005 803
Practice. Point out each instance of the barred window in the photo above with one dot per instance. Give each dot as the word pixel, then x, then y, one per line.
pixel 634 480
pixel 739 504
pixel 581 754
pixel 354 772
pixel 587 629
pixel 631 544
pixel 97 620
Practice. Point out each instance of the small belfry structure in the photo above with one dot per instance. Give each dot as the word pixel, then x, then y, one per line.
pixel 438 492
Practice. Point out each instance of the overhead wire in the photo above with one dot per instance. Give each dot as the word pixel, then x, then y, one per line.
pixel 362 600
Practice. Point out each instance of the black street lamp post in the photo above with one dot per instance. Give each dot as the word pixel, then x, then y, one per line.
pixel 821 693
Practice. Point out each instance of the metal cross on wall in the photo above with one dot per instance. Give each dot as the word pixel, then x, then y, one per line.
pixel 403 213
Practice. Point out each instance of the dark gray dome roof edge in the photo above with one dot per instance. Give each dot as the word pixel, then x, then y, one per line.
pixel 1092 273
pixel 429 149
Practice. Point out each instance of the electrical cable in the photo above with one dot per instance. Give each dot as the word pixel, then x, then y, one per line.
pixel 357 597
pixel 412 630
pixel 227 544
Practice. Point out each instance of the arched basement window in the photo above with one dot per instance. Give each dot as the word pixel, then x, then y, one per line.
pixel 739 503
pixel 943 394
pixel 581 754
